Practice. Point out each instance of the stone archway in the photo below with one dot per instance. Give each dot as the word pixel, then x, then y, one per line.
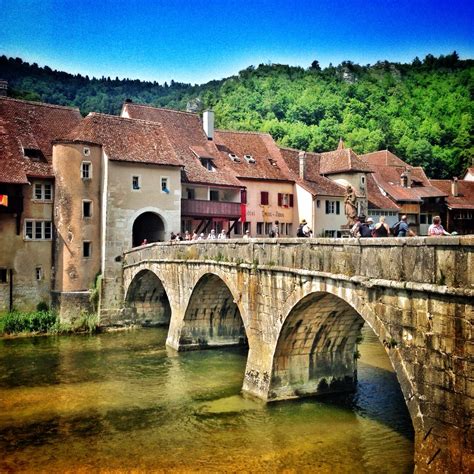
pixel 148 226
pixel 212 317
pixel 316 349
pixel 147 300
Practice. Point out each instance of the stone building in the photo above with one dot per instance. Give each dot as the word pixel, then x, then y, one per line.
pixel 211 193
pixel 118 183
pixel 27 189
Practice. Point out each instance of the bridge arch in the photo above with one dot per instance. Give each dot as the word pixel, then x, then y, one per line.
pixel 147 299
pixel 316 350
pixel 212 316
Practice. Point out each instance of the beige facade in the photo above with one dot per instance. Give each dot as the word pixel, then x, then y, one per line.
pixel 132 213
pixel 358 181
pixel 260 217
pixel 25 259
pixel 77 168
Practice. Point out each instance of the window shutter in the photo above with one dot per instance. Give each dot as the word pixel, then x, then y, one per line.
pixel 264 198
pixel 327 207
pixel 280 199
pixel 338 207
pixel 291 200
pixel 243 196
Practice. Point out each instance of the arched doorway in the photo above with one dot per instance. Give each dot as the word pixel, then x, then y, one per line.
pixel 212 317
pixel 147 298
pixel 147 226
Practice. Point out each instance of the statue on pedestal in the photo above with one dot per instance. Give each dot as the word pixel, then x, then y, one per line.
pixel 350 207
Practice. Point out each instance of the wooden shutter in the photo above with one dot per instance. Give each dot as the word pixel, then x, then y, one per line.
pixel 264 198
pixel 280 199
pixel 291 200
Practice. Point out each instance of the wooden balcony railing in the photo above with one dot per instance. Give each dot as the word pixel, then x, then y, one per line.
pixel 201 208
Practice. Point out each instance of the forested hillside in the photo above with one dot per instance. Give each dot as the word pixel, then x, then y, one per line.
pixel 422 111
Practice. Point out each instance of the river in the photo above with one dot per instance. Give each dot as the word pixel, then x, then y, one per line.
pixel 124 402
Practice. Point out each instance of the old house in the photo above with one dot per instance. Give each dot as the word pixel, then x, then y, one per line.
pixel 408 187
pixel 319 200
pixel 118 182
pixel 458 212
pixel 211 194
pixel 27 194
pixel 257 162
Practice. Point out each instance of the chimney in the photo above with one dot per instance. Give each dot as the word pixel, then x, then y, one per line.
pixel 302 160
pixel 454 187
pixel 3 88
pixel 208 123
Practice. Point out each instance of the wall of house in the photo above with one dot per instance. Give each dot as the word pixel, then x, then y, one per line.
pixel 125 205
pixel 303 208
pixel 256 212
pixel 331 222
pixel 355 180
pixel 76 272
pixel 29 259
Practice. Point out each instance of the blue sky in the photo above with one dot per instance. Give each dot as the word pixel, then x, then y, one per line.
pixel 196 41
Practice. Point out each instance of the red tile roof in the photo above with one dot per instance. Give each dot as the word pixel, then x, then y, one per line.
pixel 387 177
pixel 125 139
pixel 342 160
pixel 315 183
pixel 465 197
pixel 266 163
pixel 185 132
pixel 33 126
pixel 377 199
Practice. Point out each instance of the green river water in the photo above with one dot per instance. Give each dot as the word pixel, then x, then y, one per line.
pixel 122 402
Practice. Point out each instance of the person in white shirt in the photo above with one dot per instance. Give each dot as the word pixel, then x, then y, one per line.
pixel 222 235
pixel 212 235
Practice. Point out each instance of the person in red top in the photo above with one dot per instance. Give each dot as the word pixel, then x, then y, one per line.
pixel 436 228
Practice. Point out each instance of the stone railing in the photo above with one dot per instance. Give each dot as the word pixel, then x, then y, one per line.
pixel 432 264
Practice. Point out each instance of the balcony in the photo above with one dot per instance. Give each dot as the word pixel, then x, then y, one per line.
pixel 201 209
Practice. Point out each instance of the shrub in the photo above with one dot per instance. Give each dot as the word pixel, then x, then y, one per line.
pixel 39 321
pixel 42 306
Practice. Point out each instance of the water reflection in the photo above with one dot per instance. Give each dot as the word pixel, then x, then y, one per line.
pixel 122 402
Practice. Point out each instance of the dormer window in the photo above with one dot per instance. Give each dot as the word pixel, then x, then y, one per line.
pixel 234 157
pixel 33 154
pixel 273 162
pixel 249 158
pixel 207 163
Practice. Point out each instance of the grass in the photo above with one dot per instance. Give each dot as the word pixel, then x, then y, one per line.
pixel 45 322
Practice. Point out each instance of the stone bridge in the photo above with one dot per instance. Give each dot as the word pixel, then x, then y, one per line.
pixel 300 304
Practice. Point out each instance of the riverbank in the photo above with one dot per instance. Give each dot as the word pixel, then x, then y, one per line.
pixel 44 322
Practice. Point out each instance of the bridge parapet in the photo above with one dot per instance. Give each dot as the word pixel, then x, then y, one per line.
pixel 434 264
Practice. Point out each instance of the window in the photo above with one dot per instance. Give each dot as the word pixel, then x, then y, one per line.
pixel 268 228
pixel 43 191
pixel 39 273
pixel 285 200
pixel 333 207
pixel 249 158
pixel 135 183
pixel 207 163
pixel 238 228
pixel 247 227
pixel 86 208
pixel 86 151
pixel 38 230
pixel 264 198
pixel 190 193
pixel 362 181
pixel 86 249
pixel 86 170
pixel 234 157
pixel 3 275
pixel 318 203
pixel 164 185
pixel 259 228
pixel 214 195
pixel 34 154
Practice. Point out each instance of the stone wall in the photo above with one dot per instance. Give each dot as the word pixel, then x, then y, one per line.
pixel 71 304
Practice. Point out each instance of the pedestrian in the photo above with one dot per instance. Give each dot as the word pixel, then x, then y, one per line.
pixel 355 228
pixel 187 235
pixel 201 236
pixel 364 228
pixel 403 228
pixel 195 236
pixel 436 229
pixel 274 231
pixel 212 235
pixel 381 229
pixel 307 230
pixel 172 237
pixel 247 234
pixel 222 235
pixel 145 241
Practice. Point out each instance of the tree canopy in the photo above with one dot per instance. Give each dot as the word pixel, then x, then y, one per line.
pixel 421 111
